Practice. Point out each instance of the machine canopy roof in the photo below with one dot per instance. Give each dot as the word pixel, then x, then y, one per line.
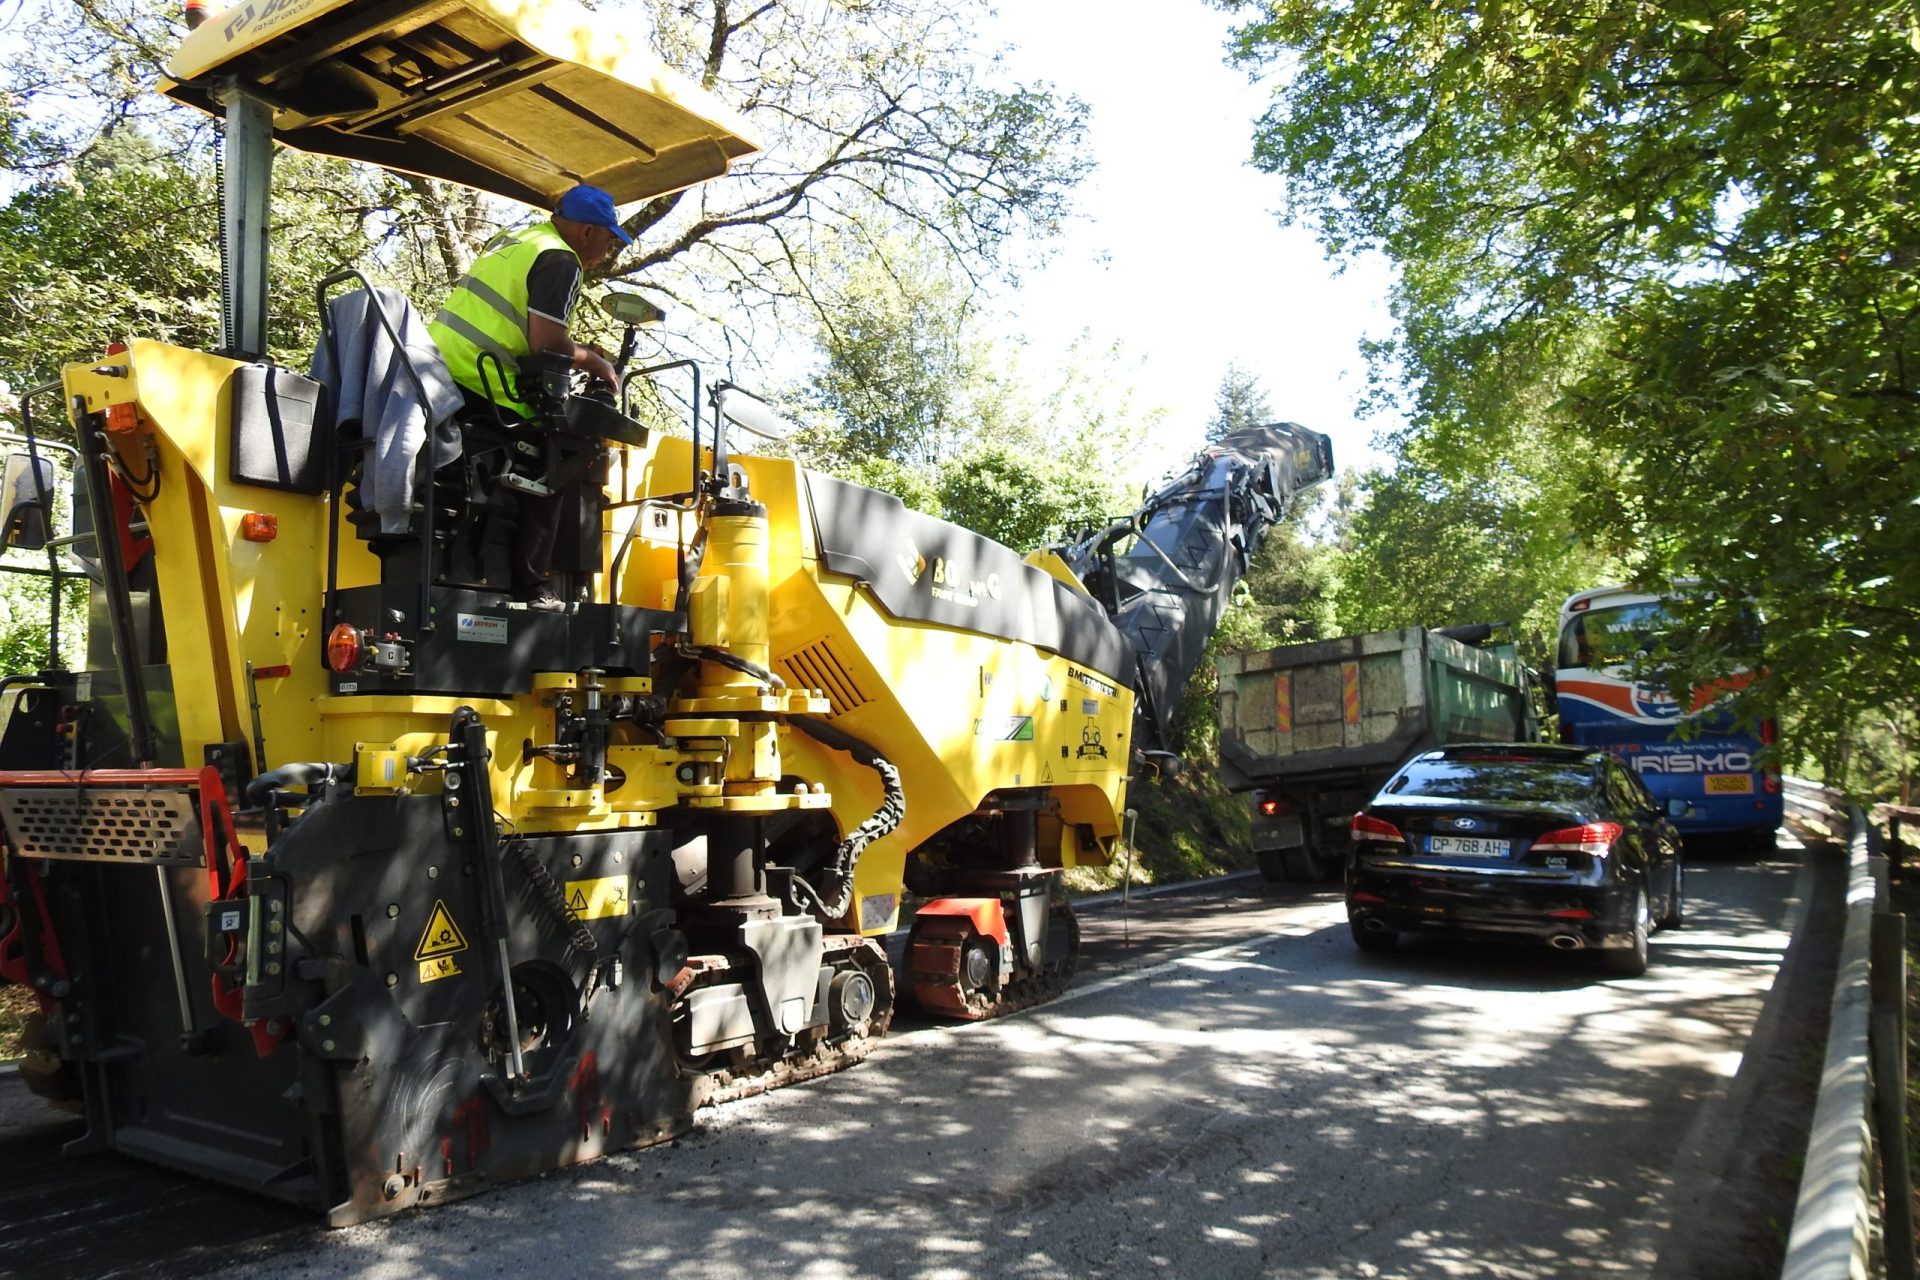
pixel 522 98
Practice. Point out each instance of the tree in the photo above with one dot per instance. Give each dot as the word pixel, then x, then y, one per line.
pixel 1240 402
pixel 1701 218
pixel 876 116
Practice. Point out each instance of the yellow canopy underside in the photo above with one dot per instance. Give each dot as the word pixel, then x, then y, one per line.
pixel 521 98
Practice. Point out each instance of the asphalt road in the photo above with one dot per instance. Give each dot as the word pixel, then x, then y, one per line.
pixel 1235 1091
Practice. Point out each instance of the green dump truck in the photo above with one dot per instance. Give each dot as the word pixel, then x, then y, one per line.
pixel 1312 730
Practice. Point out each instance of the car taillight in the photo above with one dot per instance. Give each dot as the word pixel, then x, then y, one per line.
pixel 1769 731
pixel 1272 807
pixel 1370 828
pixel 1595 839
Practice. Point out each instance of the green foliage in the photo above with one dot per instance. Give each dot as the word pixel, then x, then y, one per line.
pixel 1239 402
pixel 1021 499
pixel 1189 828
pixel 1674 244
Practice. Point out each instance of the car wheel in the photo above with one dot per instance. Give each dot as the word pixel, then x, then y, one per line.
pixel 1272 870
pixel 1372 939
pixel 1630 961
pixel 1676 913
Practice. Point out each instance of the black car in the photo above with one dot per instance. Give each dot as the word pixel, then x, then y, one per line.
pixel 1562 845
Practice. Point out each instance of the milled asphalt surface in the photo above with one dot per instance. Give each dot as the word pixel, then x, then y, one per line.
pixel 1269 1102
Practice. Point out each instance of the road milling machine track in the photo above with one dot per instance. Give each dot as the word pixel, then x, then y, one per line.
pixel 341 878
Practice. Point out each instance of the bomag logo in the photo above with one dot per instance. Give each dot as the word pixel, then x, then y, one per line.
pixel 911 563
pixel 244 19
pixel 1694 762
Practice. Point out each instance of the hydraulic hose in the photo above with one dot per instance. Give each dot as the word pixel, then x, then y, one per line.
pixel 295 775
pixel 893 808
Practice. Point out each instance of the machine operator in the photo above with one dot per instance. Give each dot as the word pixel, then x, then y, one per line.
pixel 515 300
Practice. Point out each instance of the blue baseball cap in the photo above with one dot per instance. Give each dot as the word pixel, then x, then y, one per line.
pixel 594 207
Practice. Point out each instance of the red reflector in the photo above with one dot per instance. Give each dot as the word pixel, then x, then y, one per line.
pixel 258 526
pixel 344 648
pixel 273 672
pixel 123 417
pixel 1571 913
pixel 116 348
pixel 1370 828
pixel 1595 838
pixel 1359 896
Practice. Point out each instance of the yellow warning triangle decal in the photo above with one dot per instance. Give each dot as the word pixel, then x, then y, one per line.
pixel 578 902
pixel 442 936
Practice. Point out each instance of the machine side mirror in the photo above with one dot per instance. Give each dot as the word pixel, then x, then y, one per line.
pixel 631 308
pixel 1678 808
pixel 26 489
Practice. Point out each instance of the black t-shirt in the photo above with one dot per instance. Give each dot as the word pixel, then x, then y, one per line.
pixel 552 284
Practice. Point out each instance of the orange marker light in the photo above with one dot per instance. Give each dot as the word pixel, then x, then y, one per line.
pixel 123 417
pixel 345 649
pixel 258 526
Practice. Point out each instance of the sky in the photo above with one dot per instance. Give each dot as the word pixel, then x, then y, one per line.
pixel 1179 252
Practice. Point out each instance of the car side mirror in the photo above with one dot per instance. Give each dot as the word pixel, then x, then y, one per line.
pixel 1678 808
pixel 26 489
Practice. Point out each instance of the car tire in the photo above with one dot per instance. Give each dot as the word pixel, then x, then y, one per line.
pixel 1630 961
pixel 1373 939
pixel 1676 913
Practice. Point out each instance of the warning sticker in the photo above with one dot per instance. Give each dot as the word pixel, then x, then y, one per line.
pixel 438 968
pixel 441 938
pixel 598 899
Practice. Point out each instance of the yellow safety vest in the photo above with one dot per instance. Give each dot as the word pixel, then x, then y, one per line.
pixel 487 312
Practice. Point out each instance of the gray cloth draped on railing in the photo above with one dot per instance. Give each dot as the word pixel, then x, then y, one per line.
pixel 398 395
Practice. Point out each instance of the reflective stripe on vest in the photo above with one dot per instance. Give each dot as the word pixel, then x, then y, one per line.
pixel 487 313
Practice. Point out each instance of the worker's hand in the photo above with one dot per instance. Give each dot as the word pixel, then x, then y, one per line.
pixel 599 366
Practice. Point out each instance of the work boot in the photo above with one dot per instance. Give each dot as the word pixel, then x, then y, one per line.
pixel 540 597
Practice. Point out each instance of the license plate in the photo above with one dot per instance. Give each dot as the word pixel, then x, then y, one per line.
pixel 1469 846
pixel 1729 784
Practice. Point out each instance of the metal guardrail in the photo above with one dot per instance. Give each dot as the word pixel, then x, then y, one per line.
pixel 1857 1145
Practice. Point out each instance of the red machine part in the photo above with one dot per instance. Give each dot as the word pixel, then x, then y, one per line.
pixel 226 863
pixel 958 955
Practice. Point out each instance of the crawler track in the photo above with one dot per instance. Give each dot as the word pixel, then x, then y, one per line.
pixel 938 961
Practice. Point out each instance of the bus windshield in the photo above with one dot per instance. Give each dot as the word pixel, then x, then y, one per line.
pixel 1613 636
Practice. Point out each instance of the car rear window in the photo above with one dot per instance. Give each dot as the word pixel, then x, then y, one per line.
pixel 1495 777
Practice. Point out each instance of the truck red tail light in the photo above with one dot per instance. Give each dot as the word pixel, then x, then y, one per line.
pixel 1595 839
pixel 1271 807
pixel 1369 828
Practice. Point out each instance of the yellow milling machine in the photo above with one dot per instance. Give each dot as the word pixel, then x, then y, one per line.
pixel 341 877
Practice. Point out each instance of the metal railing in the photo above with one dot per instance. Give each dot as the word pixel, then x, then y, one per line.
pixel 1854 1217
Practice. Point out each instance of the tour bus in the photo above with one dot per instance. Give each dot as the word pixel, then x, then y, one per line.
pixel 1713 767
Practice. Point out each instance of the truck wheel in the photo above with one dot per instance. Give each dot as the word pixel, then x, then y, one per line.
pixel 1272 869
pixel 1299 864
